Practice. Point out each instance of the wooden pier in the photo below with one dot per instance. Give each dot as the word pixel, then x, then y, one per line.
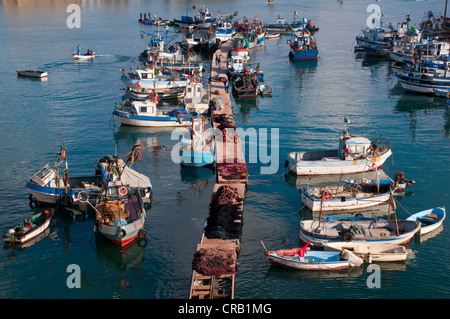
pixel 229 156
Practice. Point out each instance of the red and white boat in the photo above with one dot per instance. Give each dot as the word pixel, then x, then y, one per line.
pixel 120 214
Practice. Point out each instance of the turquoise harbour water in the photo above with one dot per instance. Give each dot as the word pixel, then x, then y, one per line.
pixel 308 107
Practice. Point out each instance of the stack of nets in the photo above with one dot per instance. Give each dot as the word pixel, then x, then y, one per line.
pixel 214 261
pixel 225 216
pixel 232 171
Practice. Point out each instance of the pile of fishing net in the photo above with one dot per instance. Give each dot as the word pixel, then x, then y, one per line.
pixel 232 170
pixel 225 215
pixel 225 121
pixel 214 261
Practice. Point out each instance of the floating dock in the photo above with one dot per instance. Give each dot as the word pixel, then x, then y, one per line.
pixel 220 284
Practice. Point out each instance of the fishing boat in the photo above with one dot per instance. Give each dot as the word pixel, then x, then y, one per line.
pixel 371 252
pixel 29 228
pixel 224 31
pixel 246 85
pixel 197 149
pixel 303 46
pixel 355 154
pixel 313 260
pixel 32 73
pixel 421 82
pixel 347 196
pixel 240 47
pixel 430 219
pixel 196 98
pixel 120 214
pixel 281 26
pixel 53 183
pixel 147 113
pixel 364 230
pixel 152 79
pixel 265 90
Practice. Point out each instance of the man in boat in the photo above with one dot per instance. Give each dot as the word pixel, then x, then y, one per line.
pixel 78 50
pixel 89 52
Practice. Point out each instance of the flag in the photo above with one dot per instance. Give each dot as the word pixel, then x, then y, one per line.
pixel 346 120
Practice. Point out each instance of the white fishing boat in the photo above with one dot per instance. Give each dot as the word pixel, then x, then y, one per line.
pixel 344 197
pixel 355 154
pixel 29 228
pixel 430 219
pixel 152 79
pixel 312 260
pixel 148 113
pixel 32 73
pixel 365 230
pixel 120 214
pixel 83 56
pixel 370 252
pixel 225 31
pixel 240 47
pixel 53 183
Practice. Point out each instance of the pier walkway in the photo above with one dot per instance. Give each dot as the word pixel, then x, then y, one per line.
pixel 231 184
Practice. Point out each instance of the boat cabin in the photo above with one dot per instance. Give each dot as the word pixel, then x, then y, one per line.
pixel 353 147
pixel 45 177
pixel 196 99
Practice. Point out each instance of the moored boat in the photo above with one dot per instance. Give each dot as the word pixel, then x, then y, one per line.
pixel 313 260
pixel 265 90
pixel 32 73
pixel 120 214
pixel 370 252
pixel 360 230
pixel 29 228
pixel 348 196
pixel 430 219
pixel 355 154
pixel 147 113
pixel 303 46
pixel 53 183
pixel 197 149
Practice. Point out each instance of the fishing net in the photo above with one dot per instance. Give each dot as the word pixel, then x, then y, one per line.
pixel 214 261
pixel 232 171
pixel 225 216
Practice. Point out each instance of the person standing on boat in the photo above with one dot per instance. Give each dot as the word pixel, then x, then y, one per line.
pixel 78 50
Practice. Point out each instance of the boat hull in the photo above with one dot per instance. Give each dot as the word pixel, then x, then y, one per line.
pixel 196 159
pixel 29 235
pixel 315 261
pixel 367 232
pixel 298 55
pixel 126 118
pixel 122 235
pixel 428 225
pixel 371 253
pixel 51 195
pixel 331 166
pixel 342 202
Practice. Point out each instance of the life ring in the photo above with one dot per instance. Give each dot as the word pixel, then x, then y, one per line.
pixel 347 236
pixel 122 191
pixel 142 233
pixel 82 196
pixel 211 29
pixel 190 53
pixel 121 233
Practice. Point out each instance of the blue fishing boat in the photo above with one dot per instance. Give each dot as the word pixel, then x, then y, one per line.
pixel 53 183
pixel 303 46
pixel 197 149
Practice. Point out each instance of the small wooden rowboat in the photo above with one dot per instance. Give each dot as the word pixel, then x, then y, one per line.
pixel 29 228
pixel 430 219
pixel 302 259
pixel 370 252
pixel 32 73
